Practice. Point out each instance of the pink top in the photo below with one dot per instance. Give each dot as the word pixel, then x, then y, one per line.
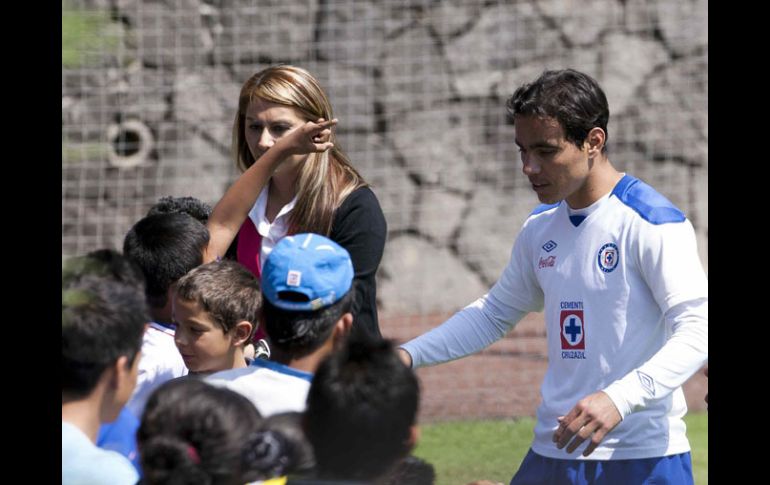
pixel 249 247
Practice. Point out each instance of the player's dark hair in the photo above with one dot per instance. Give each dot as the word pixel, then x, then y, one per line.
pixel 574 99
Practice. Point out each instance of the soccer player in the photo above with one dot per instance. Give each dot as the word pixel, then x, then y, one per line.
pixel 614 266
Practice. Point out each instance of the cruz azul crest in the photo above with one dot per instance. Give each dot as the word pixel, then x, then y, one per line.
pixel 572 327
pixel 608 257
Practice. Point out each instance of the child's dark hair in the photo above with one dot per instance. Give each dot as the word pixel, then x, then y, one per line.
pixel 103 317
pixel 412 471
pixel 197 209
pixel 280 448
pixel 165 247
pixel 299 333
pixel 226 290
pixel 361 407
pixel 192 433
pixel 104 262
pixel 187 205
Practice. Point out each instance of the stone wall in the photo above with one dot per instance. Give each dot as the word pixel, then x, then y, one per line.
pixel 419 87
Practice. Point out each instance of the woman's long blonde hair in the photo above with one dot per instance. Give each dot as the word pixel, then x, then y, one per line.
pixel 325 179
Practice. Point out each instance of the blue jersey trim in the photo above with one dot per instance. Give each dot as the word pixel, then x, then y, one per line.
pixel 169 326
pixel 576 220
pixel 543 208
pixel 646 201
pixel 282 369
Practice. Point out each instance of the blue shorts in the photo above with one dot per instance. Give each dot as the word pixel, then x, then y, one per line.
pixel 539 470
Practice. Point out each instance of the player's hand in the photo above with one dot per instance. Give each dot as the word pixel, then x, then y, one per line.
pixel 592 418
pixel 311 137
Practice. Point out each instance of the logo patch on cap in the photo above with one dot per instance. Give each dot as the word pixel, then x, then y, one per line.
pixel 310 265
pixel 294 278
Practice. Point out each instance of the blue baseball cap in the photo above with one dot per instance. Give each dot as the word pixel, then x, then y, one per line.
pixel 310 265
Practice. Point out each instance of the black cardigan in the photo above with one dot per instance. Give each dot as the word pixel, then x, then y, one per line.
pixel 359 226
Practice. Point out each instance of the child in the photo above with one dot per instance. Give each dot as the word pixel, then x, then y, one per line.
pixel 187 205
pixel 280 448
pixel 165 246
pixel 103 319
pixel 412 471
pixel 216 308
pixel 201 211
pixel 117 435
pixel 361 413
pixel 306 284
pixel 193 432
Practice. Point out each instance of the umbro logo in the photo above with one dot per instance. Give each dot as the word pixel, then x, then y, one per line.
pixel 549 246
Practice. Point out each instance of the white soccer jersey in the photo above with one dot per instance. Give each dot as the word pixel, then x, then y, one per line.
pixel 625 300
pixel 160 362
pixel 272 387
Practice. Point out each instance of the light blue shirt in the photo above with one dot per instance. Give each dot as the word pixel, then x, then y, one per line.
pixel 82 463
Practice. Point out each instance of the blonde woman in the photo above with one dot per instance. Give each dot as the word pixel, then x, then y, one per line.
pixel 296 180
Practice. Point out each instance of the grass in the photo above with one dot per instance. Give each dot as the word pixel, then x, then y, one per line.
pixel 85 35
pixel 83 152
pixel 698 434
pixel 464 451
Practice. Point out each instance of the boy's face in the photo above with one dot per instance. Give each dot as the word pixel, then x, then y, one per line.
pixel 556 168
pixel 204 346
pixel 132 376
pixel 126 383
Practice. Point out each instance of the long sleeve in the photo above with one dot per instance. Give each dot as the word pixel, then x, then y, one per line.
pixel 359 226
pixel 468 331
pixel 684 353
pixel 668 258
pixel 486 320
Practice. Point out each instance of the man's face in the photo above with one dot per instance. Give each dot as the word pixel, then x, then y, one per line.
pixel 556 168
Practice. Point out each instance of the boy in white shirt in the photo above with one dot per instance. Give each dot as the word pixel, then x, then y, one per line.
pixel 165 246
pixel 306 284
